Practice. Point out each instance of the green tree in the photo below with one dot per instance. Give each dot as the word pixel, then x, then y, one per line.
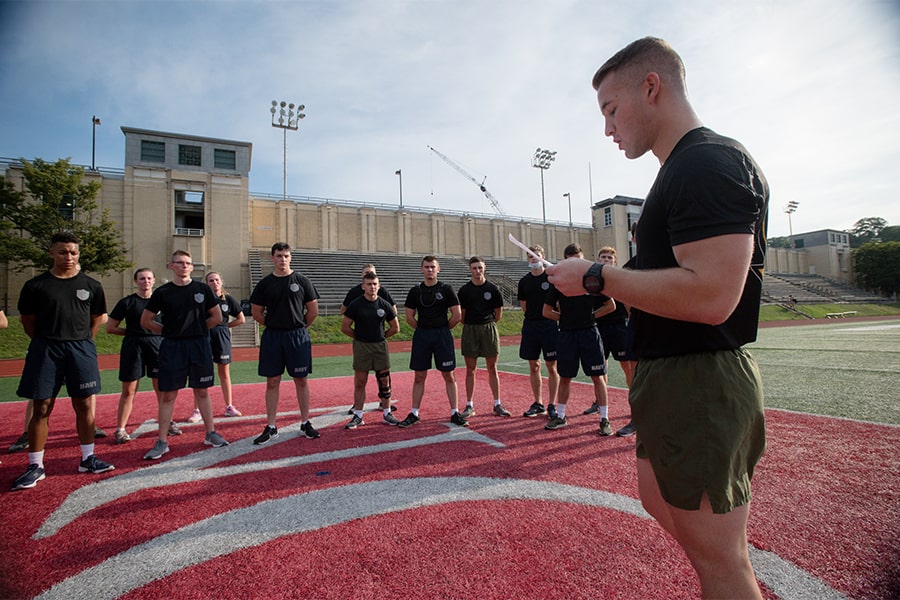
pixel 865 230
pixel 779 242
pixel 877 266
pixel 890 234
pixel 57 200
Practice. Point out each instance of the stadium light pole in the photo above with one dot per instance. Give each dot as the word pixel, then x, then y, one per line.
pixel 94 122
pixel 541 160
pixel 288 118
pixel 790 209
pixel 399 173
pixel 568 196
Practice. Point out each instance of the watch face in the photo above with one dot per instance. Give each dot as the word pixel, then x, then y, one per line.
pixel 592 284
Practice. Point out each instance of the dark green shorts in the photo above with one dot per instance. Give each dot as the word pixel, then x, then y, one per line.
pixel 371 356
pixel 700 422
pixel 480 339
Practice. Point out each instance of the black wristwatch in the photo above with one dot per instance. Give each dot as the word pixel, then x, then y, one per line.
pixel 593 279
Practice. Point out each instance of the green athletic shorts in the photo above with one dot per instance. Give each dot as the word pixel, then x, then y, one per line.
pixel 371 356
pixel 480 339
pixel 700 422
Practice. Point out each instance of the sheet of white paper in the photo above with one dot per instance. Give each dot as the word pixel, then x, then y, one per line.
pixel 513 239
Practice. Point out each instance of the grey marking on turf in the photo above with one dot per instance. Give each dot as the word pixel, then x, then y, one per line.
pixel 198 466
pixel 241 528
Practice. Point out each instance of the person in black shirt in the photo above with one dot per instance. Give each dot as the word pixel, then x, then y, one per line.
pixel 287 303
pixel 696 397
pixel 189 310
pixel 481 306
pixel 139 354
pixel 383 378
pixel 61 311
pixel 220 338
pixel 427 308
pixel 579 342
pixel 364 321
pixel 539 336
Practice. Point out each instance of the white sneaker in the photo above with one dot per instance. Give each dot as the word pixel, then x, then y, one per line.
pixel 195 416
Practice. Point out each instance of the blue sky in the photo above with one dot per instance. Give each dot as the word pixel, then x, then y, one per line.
pixel 812 88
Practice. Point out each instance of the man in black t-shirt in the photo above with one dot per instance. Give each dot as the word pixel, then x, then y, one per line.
pixel 383 378
pixel 694 294
pixel 579 343
pixel 481 306
pixel 61 311
pixel 427 308
pixel 189 310
pixel 287 303
pixel 539 336
pixel 364 321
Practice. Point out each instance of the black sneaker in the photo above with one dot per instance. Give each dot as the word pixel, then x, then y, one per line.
pixel 551 411
pixel 29 478
pixel 92 464
pixel 99 433
pixel 468 412
pixel 350 411
pixel 592 409
pixel 409 421
pixel 355 422
pixel 556 423
pixel 309 430
pixel 457 419
pixel 500 411
pixel 269 433
pixel 605 427
pixel 20 444
pixel 391 419
pixel 627 430
pixel 534 410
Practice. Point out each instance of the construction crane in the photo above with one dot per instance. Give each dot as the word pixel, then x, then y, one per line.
pixel 494 202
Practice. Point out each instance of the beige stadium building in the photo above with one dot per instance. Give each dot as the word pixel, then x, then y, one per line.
pixel 187 192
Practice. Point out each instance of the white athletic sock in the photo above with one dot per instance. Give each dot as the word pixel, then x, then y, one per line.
pixel 561 411
pixel 358 413
pixel 604 412
pixel 470 404
pixel 497 402
pixel 415 411
pixel 86 451
pixel 36 458
pixel 387 411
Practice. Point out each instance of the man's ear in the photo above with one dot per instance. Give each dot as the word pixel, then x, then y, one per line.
pixel 651 86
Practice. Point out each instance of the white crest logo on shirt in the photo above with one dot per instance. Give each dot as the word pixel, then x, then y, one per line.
pixel 199 297
pixel 380 312
pixel 487 295
pixel 82 294
pixel 439 296
pixel 545 286
pixel 295 287
pixel 224 308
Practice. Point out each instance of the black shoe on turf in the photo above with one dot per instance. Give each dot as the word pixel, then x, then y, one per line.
pixel 556 423
pixel 551 411
pixel 627 430
pixel 409 421
pixel 605 427
pixel 29 478
pixel 92 464
pixel 355 422
pixel 458 419
pixel 309 431
pixel 592 409
pixel 534 410
pixel 20 444
pixel 269 433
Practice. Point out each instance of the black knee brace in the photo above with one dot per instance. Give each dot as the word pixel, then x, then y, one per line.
pixel 384 384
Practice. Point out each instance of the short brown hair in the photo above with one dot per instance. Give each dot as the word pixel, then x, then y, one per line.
pixel 572 249
pixel 641 57
pixel 607 250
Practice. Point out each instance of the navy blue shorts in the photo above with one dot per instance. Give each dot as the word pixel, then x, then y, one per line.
pixel 220 340
pixel 539 335
pixel 49 364
pixel 428 343
pixel 185 361
pixel 281 349
pixel 139 356
pixel 582 346
pixel 615 341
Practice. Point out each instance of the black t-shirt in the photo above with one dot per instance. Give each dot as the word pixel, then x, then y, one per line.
pixel 357 292
pixel 616 317
pixel 533 290
pixel 369 317
pixel 479 302
pixel 184 308
pixel 129 309
pixel 62 307
pixel 709 186
pixel 575 312
pixel 431 304
pixel 284 299
pixel 229 307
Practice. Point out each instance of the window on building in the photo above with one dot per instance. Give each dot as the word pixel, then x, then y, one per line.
pixel 189 213
pixel 189 155
pixel 607 217
pixel 153 151
pixel 224 159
